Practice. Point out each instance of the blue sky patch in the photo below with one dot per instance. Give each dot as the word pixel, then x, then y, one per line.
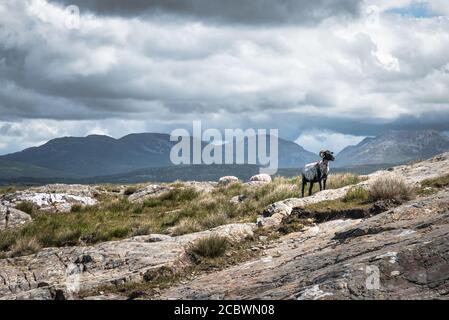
pixel 417 9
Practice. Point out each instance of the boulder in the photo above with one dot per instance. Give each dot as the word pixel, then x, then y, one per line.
pixel 261 178
pixel 227 180
pixel 12 218
pixel 238 199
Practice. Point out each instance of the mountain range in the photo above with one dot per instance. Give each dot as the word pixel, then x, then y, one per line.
pixel 394 147
pixel 97 156
pixel 147 156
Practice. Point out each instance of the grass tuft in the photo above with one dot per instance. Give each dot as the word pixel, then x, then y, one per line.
pixel 27 207
pixel 340 180
pixel 25 247
pixel 211 247
pixel 390 188
pixel 130 190
pixel 357 194
pixel 186 226
pixel 439 182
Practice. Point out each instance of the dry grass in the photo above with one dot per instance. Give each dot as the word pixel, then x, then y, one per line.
pixel 214 220
pixel 211 247
pixel 337 205
pixel 182 210
pixel 25 246
pixel 5 190
pixel 340 180
pixel 390 188
pixel 186 226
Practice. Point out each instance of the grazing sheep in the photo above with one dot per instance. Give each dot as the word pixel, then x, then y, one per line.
pixel 317 172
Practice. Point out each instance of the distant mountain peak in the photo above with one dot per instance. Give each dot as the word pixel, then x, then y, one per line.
pixel 394 147
pixel 98 155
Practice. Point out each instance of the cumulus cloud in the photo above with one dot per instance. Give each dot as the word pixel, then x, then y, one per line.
pixel 318 140
pixel 214 61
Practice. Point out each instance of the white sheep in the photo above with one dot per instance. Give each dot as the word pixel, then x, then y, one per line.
pixel 317 172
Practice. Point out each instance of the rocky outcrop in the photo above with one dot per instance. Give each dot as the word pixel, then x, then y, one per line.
pixel 399 254
pixel 275 212
pixel 72 189
pixel 416 172
pixel 150 191
pixel 11 218
pixel 62 272
pixel 411 174
pixel 53 198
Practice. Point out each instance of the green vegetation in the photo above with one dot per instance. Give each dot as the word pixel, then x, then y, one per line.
pixel 359 198
pixel 5 190
pixel 337 205
pixel 293 224
pixel 357 194
pixel 431 186
pixel 336 181
pixel 181 210
pixel 130 190
pixel 439 182
pixel 27 207
pixel 355 198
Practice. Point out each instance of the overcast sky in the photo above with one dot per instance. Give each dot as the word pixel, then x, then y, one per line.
pixel 325 73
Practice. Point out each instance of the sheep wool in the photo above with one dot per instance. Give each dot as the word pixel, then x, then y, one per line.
pixel 315 171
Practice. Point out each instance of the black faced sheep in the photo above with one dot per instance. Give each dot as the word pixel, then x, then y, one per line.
pixel 317 172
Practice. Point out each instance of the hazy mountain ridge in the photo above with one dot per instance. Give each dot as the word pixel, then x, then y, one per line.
pixel 97 155
pixel 136 157
pixel 394 147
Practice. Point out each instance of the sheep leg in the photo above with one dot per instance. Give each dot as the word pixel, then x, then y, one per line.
pixel 303 186
pixel 310 188
pixel 324 184
pixel 321 185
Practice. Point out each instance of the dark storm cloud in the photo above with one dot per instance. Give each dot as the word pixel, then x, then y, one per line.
pixel 251 64
pixel 293 125
pixel 230 11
